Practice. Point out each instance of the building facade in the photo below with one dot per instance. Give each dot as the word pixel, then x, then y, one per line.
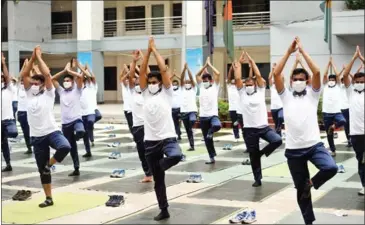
pixel 106 32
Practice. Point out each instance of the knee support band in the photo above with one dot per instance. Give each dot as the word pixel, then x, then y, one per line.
pixel 46 178
pixel 61 153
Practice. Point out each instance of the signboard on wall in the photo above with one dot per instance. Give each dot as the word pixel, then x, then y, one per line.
pixel 194 59
pixel 85 58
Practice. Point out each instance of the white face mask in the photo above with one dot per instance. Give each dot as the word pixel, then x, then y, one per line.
pixel 2 85
pixel 175 87
pixel 67 85
pixel 137 88
pixel 34 89
pixel 187 86
pixel 153 88
pixel 359 86
pixel 331 83
pixel 206 84
pixel 299 86
pixel 250 89
pixel 233 82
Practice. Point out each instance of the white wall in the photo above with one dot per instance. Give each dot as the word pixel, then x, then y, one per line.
pixel 311 34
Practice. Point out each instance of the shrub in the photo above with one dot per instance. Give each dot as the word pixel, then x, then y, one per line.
pixel 223 112
pixel 319 111
pixel 355 4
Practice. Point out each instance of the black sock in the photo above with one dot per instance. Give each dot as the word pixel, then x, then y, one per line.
pixel 46 203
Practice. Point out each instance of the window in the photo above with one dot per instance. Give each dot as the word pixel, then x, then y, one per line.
pixel 137 15
pixel 239 6
pixel 110 78
pixel 215 13
pixel 177 12
pixel 263 67
pixel 154 68
pixel 61 22
pixel 110 23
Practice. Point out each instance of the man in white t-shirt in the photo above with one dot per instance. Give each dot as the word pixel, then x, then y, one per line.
pixel 303 141
pixel 331 107
pixel 188 106
pixel 176 103
pixel 208 106
pixel 71 116
pixel 137 102
pixel 44 132
pixel 254 112
pixel 233 103
pixel 345 112
pixel 159 136
pixel 15 96
pixel 126 97
pixel 8 126
pixel 356 94
pixel 276 105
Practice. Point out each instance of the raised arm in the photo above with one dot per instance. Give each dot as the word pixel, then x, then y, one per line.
pixel 124 75
pixel 338 80
pixel 215 71
pixel 143 70
pixel 346 72
pixel 237 68
pixel 260 81
pixel 360 68
pixel 271 75
pixel 44 68
pixel 230 72
pixel 191 77
pixel 316 78
pixel 165 72
pixel 325 77
pixel 26 72
pixel 5 70
pixel 182 75
pixel 199 73
pixel 57 76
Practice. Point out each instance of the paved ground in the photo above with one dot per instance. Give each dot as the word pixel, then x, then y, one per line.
pixel 226 188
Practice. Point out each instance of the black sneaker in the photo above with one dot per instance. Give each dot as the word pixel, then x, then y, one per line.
pixel 191 149
pixel 118 200
pixel 179 138
pixel 75 173
pixel 92 144
pixel 349 145
pixel 257 184
pixel 25 196
pixel 8 168
pixel 164 214
pixel 110 201
pixel 246 162
pixel 19 193
pixel 211 161
pixel 46 203
pixel 87 155
pixel 29 151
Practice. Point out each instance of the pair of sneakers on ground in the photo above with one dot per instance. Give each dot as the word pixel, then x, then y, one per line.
pixel 22 195
pixel 195 178
pixel 247 216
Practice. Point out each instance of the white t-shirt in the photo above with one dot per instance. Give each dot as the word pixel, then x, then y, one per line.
pixel 22 99
pixel 94 88
pixel 70 104
pixel 254 111
pixel 188 100
pixel 6 102
pixel 176 98
pixel 275 99
pixel 344 98
pixel 331 99
pixel 233 97
pixel 301 121
pixel 40 113
pixel 86 100
pixel 208 100
pixel 356 111
pixel 157 109
pixel 15 93
pixel 126 98
pixel 136 103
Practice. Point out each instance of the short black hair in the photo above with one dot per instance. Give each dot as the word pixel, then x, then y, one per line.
pixel 299 71
pixel 332 76
pixel 155 74
pixel 359 75
pixel 68 76
pixel 39 77
pixel 207 75
pixel 250 79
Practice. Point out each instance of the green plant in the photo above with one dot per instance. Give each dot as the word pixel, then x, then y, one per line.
pixel 223 112
pixel 319 111
pixel 355 4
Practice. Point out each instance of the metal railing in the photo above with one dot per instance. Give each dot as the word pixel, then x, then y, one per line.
pixel 62 29
pixel 145 26
pixel 250 20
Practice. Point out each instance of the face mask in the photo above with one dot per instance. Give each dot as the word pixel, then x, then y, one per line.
pixel 34 89
pixel 233 82
pixel 187 86
pixel 2 85
pixel 22 86
pixel 153 88
pixel 206 84
pixel 176 87
pixel 359 86
pixel 331 83
pixel 67 85
pixel 137 88
pixel 299 86
pixel 250 89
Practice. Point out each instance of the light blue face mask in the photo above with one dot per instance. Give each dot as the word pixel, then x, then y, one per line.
pixel 206 84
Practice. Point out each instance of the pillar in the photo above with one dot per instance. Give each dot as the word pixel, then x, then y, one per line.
pixel 90 16
pixel 13 59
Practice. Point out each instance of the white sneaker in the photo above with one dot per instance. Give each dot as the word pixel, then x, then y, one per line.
pixel 361 192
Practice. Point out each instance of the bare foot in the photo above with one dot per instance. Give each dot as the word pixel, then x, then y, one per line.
pixel 146 180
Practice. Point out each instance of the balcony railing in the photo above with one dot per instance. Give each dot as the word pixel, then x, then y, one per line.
pixel 250 20
pixel 62 29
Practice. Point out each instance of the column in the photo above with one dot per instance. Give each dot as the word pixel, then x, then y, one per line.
pixel 13 59
pixel 90 16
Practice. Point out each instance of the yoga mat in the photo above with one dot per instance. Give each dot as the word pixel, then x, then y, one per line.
pixel 282 170
pixel 28 212
pixel 199 150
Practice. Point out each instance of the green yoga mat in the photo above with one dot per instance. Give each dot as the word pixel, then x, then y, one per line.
pixel 199 150
pixel 28 212
pixel 282 170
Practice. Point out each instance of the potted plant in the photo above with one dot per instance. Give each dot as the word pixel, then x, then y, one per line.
pixel 320 114
pixel 355 4
pixel 223 113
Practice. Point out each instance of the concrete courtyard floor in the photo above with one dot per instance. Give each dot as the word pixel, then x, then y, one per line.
pixel 226 188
